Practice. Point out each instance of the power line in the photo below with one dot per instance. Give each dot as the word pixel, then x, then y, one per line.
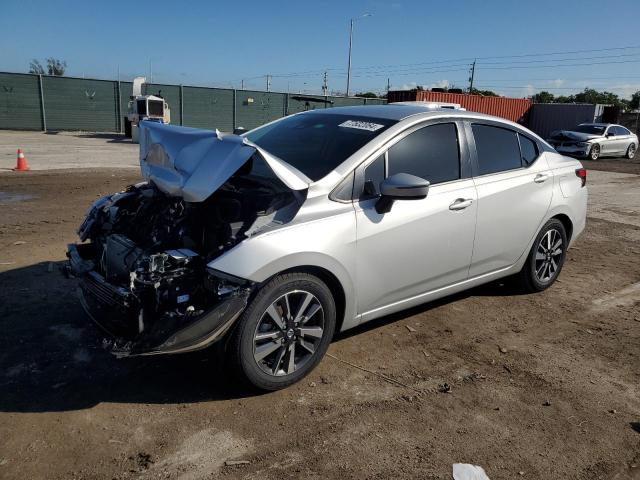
pixel 536 87
pixel 564 78
pixel 561 65
pixel 562 59
pixel 468 60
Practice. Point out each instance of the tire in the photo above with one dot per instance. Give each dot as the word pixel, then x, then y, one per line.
pixel 631 152
pixel 594 153
pixel 257 333
pixel 534 276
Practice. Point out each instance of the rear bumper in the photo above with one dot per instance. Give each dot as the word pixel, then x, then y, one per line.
pixel 117 311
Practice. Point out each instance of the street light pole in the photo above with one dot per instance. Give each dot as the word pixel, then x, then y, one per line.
pixel 350 43
pixel 349 67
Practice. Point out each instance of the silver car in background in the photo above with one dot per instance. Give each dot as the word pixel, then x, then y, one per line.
pixel 269 242
pixel 595 140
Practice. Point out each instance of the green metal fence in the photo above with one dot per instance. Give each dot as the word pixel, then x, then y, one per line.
pixel 43 102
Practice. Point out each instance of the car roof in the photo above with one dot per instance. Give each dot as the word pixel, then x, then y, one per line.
pixel 393 111
pixel 598 124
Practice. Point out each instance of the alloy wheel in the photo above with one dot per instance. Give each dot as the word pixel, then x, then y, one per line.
pixel 595 152
pixel 549 255
pixel 288 333
pixel 631 151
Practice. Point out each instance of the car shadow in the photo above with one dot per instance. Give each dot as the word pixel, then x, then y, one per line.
pixel 52 358
pixel 109 137
pixel 498 288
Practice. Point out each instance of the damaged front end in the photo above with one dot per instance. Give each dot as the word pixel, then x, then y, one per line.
pixel 143 269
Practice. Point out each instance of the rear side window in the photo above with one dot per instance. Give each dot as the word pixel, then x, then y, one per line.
pixel 431 153
pixel 528 149
pixel 498 149
pixel 621 131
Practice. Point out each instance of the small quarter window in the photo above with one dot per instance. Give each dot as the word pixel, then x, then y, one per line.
pixel 373 177
pixel 528 150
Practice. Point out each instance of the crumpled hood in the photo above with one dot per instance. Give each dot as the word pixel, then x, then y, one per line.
pixel 575 136
pixel 193 163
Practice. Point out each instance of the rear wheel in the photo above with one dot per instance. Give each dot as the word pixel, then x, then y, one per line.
pixel 546 257
pixel 631 151
pixel 284 332
pixel 594 153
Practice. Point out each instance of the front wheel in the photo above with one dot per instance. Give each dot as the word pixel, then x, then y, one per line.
pixel 546 257
pixel 631 152
pixel 594 153
pixel 284 332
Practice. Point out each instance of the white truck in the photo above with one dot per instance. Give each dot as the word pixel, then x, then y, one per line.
pixel 144 107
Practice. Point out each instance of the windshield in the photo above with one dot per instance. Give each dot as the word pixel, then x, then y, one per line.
pixel 317 143
pixel 593 129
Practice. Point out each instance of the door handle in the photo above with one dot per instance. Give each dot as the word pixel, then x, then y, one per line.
pixel 541 177
pixel 461 204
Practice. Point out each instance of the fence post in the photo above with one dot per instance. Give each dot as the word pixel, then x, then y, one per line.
pixel 44 115
pixel 181 106
pixel 233 115
pixel 118 109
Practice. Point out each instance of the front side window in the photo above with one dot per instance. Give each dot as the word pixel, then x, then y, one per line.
pixel 431 153
pixel 316 143
pixel 621 131
pixel 498 149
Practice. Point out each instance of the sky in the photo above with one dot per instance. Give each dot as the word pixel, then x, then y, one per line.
pixel 521 47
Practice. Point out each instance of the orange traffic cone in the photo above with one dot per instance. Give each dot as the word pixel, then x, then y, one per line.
pixel 21 163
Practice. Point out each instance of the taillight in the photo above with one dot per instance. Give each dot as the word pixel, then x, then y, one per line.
pixel 581 173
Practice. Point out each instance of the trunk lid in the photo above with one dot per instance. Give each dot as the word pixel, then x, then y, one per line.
pixel 193 163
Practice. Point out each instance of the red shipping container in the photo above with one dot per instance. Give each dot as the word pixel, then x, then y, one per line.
pixel 513 109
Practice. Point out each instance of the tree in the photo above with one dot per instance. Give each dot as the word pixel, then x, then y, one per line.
pixel 54 67
pixel 590 95
pixel 634 104
pixel 367 95
pixel 543 97
pixel 484 93
pixel 36 67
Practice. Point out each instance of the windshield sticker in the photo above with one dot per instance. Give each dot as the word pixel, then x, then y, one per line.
pixel 360 125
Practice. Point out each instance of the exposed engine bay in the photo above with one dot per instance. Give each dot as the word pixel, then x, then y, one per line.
pixel 144 274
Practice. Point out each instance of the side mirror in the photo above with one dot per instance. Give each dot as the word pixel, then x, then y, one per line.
pixel 239 130
pixel 610 134
pixel 401 186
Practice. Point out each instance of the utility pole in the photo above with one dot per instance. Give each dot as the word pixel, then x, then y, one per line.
pixel 325 86
pixel 471 75
pixel 268 83
pixel 242 84
pixel 388 85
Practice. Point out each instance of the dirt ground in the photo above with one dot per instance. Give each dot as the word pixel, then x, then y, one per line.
pixel 543 386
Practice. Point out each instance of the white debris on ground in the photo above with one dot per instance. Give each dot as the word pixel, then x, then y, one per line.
pixel 466 471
